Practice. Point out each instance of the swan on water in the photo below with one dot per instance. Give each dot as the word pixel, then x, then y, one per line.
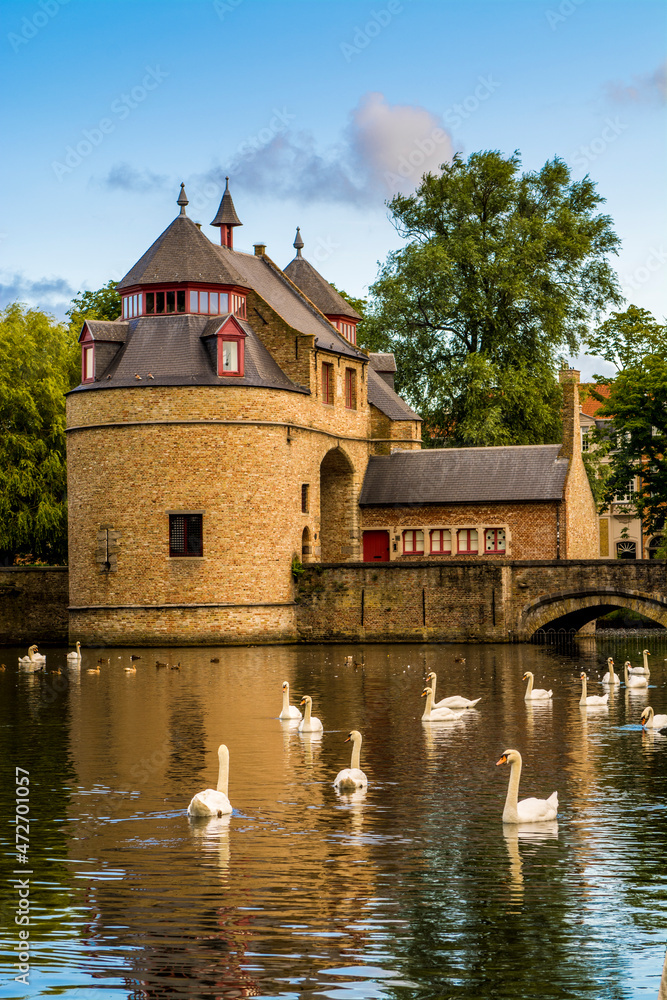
pixel 75 655
pixel 652 721
pixel 34 660
pixel 641 671
pixel 591 699
pixel 538 694
pixel 611 677
pixel 352 776
pixel 634 680
pixel 214 801
pixel 288 711
pixel 454 700
pixel 528 810
pixel 432 714
pixel 309 723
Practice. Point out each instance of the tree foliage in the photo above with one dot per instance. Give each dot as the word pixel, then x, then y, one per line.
pixel 104 303
pixel 500 273
pixel 39 362
pixel 625 338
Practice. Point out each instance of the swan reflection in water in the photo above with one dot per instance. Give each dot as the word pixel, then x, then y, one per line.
pixel 533 833
pixel 538 712
pixel 212 836
pixel 354 805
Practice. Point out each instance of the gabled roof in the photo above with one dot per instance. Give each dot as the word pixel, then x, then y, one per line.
pixel 590 406
pixel 465 475
pixel 386 400
pixel 181 253
pixel 106 330
pixel 173 352
pixel 382 362
pixel 318 289
pixel 266 278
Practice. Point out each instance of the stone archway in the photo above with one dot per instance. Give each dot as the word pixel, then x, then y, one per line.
pixel 306 546
pixel 338 520
pixel 572 611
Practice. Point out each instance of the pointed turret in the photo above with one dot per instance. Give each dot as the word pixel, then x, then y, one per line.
pixel 298 242
pixel 227 218
pixel 315 287
pixel 182 199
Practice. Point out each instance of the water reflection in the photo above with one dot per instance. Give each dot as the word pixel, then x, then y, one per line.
pixel 413 888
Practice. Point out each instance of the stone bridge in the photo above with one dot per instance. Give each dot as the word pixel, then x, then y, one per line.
pixel 499 601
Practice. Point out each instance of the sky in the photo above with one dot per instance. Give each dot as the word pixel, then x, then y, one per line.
pixel 319 112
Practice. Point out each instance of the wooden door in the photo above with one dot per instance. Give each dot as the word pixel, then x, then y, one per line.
pixel 376 546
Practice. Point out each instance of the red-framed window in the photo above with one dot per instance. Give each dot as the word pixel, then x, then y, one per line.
pixel 441 541
pixel 167 301
pixel 350 389
pixel 209 303
pixel 133 305
pixel 468 540
pixel 88 363
pixel 494 540
pixel 327 383
pixel 231 349
pixel 186 534
pixel 238 305
pixel 413 541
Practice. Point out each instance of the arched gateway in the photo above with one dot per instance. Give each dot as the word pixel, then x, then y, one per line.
pixel 339 529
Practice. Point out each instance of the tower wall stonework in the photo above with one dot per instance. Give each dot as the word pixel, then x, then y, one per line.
pixel 137 454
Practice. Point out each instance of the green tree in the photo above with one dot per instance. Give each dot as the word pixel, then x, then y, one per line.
pixel 637 407
pixel 625 338
pixel 501 273
pixel 104 303
pixel 39 363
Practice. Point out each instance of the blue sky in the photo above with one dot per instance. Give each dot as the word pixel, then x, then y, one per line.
pixel 319 111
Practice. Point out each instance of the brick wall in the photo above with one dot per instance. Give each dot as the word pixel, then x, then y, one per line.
pixel 33 605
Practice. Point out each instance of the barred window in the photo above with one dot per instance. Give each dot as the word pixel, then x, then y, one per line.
pixel 185 535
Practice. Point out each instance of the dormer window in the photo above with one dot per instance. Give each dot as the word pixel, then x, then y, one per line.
pixel 231 349
pixel 88 363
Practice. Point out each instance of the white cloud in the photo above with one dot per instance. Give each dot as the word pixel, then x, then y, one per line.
pixel 50 294
pixel 651 88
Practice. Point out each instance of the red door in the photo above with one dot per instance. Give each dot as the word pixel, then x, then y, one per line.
pixel 376 546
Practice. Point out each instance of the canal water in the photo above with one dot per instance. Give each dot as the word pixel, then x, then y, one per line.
pixel 411 890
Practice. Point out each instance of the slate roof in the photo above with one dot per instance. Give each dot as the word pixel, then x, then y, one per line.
pixel 382 362
pixel 386 400
pixel 173 352
pixel 108 330
pixel 269 281
pixel 465 475
pixel 226 214
pixel 318 289
pixel 181 253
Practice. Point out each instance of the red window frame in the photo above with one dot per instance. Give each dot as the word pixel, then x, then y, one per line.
pixel 411 542
pixel 493 533
pixel 437 537
pixel 327 383
pixel 186 535
pixel 350 389
pixel 464 535
pixel 88 351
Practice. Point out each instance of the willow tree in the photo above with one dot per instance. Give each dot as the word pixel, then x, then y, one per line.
pixel 501 274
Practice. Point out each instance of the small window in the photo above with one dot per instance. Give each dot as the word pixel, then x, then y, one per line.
pixel 441 541
pixel 327 383
pixel 585 439
pixel 88 364
pixel 171 301
pixel 213 304
pixel 305 498
pixel 203 302
pixel 350 389
pixel 230 356
pixel 628 496
pixel 185 535
pixel 125 308
pixel 467 540
pixel 180 301
pixel 194 302
pixel 413 541
pixel 626 550
pixel 238 305
pixel 159 302
pixel 150 303
pixel 494 540
pixel 653 547
pixel 224 302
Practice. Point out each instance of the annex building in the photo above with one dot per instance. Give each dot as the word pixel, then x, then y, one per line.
pixel 227 426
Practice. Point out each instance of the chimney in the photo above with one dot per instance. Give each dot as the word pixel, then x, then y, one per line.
pixel 569 379
pixel 260 249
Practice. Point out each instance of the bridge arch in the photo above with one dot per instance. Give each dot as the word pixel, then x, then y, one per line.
pixel 571 610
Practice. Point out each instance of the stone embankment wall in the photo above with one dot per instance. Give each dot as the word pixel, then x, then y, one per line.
pixel 33 604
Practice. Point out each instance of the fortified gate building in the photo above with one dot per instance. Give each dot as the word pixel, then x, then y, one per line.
pixel 227 424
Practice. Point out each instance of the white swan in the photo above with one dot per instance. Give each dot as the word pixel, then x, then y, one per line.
pixel 33 661
pixel 528 810
pixel 75 655
pixel 652 721
pixel 591 699
pixel 352 776
pixel 539 694
pixel 634 680
pixel 611 677
pixel 641 671
pixel 454 700
pixel 214 802
pixel 432 714
pixel 309 723
pixel 288 711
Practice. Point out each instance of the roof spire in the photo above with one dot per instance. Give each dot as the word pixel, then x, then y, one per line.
pixel 182 199
pixel 298 242
pixel 226 218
